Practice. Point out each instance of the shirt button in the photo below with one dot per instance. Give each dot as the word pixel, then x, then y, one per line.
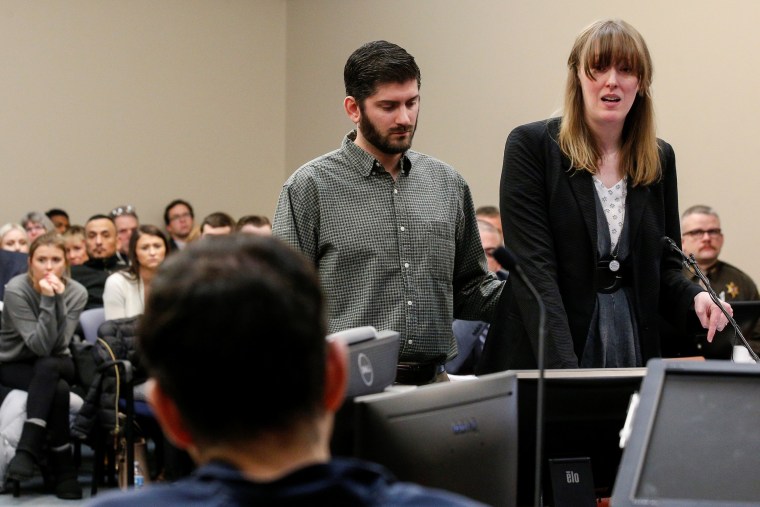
pixel 406 264
pixel 402 228
pixel 410 342
pixel 395 190
pixel 409 303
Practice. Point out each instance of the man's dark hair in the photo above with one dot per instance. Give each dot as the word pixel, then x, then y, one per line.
pixel 174 203
pixel 257 220
pixel 377 63
pixel 100 216
pixel 234 333
pixel 488 211
pixel 219 219
pixel 56 212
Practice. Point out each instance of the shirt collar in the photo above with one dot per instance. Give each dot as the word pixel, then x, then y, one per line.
pixel 364 163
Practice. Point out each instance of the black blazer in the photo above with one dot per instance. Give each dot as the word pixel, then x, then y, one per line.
pixel 549 220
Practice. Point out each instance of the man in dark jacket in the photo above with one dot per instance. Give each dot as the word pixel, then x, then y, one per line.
pixel 242 318
pixel 102 248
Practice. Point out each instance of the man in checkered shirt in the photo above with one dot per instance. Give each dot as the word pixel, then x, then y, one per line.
pixel 391 231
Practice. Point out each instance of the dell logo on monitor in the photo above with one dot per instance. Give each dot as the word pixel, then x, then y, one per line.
pixel 467 426
pixel 365 369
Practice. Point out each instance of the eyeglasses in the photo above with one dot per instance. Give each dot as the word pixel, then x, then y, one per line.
pixel 698 233
pixel 123 210
pixel 180 217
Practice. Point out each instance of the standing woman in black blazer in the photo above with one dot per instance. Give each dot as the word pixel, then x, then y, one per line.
pixel 586 200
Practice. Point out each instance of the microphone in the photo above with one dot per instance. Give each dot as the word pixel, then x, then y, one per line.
pixel 668 243
pixel 507 259
pixel 691 262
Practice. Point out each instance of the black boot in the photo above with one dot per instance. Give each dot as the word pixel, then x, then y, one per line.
pixel 65 472
pixel 28 452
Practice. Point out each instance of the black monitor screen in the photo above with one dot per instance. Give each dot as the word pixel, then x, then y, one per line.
pixel 695 438
pixel 584 411
pixel 459 436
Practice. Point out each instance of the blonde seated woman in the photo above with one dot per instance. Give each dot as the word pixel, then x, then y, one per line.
pixel 42 308
pixel 13 238
pixel 125 291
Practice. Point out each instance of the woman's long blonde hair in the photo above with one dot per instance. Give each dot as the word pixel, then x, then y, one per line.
pixel 602 44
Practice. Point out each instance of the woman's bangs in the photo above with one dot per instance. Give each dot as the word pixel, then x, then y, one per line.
pixel 611 46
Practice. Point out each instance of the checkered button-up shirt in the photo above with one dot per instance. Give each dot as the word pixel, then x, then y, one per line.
pixel 403 255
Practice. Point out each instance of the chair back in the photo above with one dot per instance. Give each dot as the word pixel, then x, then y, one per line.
pixel 90 320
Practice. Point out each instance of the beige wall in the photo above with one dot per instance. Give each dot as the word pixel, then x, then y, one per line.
pixel 141 101
pixel 217 101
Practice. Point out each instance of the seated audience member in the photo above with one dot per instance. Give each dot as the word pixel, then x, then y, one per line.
pixel 125 291
pixel 215 308
pixel 217 224
pixel 41 313
pixel 36 224
pixel 11 264
pixel 59 218
pixel 254 224
pixel 102 250
pixel 76 248
pixel 13 238
pixel 702 236
pixel 179 219
pixel 126 221
pixel 471 334
pixel 491 215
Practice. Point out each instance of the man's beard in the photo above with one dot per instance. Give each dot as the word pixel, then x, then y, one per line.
pixel 384 143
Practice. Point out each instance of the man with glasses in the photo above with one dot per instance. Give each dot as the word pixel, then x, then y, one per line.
pixel 126 221
pixel 702 236
pixel 180 220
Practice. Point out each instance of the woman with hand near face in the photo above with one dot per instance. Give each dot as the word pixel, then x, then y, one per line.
pixel 40 316
pixel 586 200
pixel 125 291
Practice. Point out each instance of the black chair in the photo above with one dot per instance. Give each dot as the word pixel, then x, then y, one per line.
pixel 111 411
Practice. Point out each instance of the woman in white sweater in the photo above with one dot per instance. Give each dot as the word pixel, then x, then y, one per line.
pixel 125 291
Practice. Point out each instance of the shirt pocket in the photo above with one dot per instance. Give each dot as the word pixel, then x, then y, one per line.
pixel 441 250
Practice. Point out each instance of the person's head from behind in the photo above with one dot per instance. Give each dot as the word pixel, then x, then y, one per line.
pixel 13 238
pixel 237 308
pixel 382 85
pixel 491 240
pixel 608 86
pixel 100 237
pixel 701 234
pixel 76 247
pixel 179 219
pixel 126 221
pixel 59 218
pixel 36 224
pixel 254 224
pixel 147 248
pixel 47 255
pixel 217 224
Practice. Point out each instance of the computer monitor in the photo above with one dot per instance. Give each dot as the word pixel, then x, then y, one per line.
pixel 460 436
pixel 372 359
pixel 584 411
pixel 695 438
pixel 746 315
